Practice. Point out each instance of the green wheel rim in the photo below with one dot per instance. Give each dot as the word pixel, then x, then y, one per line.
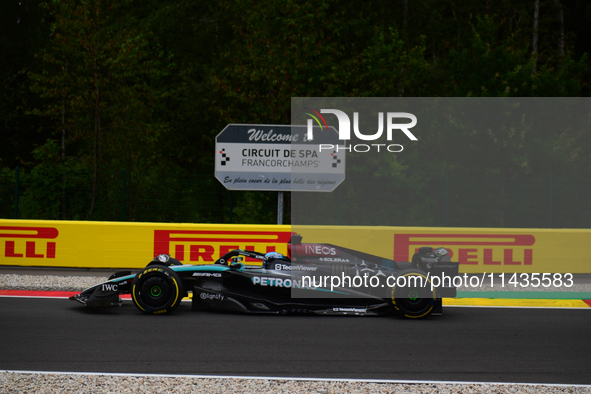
pixel 155 291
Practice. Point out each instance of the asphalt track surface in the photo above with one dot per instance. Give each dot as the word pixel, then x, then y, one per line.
pixel 465 344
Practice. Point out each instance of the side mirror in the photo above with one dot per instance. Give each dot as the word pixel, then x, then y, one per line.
pixel 425 250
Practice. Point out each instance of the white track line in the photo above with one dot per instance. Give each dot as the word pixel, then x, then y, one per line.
pixel 148 375
pixel 516 306
pixel 444 306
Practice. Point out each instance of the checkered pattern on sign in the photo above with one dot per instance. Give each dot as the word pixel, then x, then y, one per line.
pixel 225 159
pixel 335 159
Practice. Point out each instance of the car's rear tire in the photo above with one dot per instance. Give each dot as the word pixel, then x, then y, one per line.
pixel 413 301
pixel 156 290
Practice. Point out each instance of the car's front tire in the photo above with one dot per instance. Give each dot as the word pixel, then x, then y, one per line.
pixel 156 290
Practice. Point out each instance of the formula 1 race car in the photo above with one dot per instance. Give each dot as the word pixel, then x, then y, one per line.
pixel 307 281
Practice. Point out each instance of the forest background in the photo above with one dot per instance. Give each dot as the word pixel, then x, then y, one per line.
pixel 109 108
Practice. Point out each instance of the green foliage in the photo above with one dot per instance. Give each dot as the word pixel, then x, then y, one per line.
pixel 100 81
pixel 146 86
pixel 497 65
pixel 43 187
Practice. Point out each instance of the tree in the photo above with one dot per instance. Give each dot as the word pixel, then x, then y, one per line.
pixel 100 85
pixel 22 34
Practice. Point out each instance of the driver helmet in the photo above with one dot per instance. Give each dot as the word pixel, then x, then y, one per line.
pixel 274 255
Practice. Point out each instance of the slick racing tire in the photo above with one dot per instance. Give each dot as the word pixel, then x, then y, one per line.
pixel 156 290
pixel 415 299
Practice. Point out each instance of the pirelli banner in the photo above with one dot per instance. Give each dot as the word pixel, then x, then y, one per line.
pixel 132 245
pixel 478 250
pixel 129 245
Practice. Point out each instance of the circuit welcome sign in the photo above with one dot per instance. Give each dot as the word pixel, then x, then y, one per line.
pixel 277 158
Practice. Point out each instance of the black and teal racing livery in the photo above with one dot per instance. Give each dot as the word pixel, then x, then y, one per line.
pixel 285 284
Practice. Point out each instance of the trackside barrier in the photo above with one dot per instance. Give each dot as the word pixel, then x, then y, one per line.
pixel 128 245
pixel 132 245
pixel 479 250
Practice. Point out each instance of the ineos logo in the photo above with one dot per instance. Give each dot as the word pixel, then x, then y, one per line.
pixel 319 249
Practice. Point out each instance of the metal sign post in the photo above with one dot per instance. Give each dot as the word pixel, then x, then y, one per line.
pixel 279 207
